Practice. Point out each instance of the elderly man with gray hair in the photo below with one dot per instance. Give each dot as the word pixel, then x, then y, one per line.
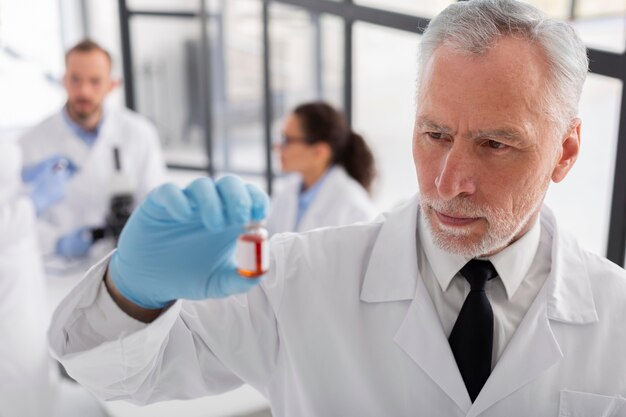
pixel 469 300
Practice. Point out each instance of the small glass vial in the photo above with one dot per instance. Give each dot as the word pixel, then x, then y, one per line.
pixel 252 254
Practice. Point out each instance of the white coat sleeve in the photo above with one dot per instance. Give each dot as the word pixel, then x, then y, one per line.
pixel 25 367
pixel 193 349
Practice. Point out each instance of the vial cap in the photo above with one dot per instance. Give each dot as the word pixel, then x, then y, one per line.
pixel 255 224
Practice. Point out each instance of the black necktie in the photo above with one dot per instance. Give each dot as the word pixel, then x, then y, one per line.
pixel 471 339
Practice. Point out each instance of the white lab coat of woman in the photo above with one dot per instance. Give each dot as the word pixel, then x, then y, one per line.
pixel 343 325
pixel 331 170
pixel 340 201
pixel 88 192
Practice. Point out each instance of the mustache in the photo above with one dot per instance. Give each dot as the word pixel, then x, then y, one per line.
pixel 458 206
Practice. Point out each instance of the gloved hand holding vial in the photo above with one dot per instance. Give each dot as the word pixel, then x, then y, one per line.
pixel 49 179
pixel 180 243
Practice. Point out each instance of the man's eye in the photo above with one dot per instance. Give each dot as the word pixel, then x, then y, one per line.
pixel 495 145
pixel 434 135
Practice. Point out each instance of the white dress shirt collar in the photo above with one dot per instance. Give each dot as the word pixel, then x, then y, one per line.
pixel 512 263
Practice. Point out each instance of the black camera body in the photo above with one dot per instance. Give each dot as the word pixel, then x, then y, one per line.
pixel 120 207
pixel 119 211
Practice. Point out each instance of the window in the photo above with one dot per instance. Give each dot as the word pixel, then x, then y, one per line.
pixel 418 8
pixel 384 106
pixel 582 201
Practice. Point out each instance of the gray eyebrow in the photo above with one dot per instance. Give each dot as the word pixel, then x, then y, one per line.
pixel 512 135
pixel 429 124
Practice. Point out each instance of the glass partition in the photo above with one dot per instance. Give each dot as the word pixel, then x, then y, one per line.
pixel 166 72
pixel 306 59
pixel 362 59
pixel 582 202
pixel 418 8
pixel 384 106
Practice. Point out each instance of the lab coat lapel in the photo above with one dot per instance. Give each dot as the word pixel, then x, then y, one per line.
pixel 67 142
pixel 100 161
pixel 392 271
pixel 422 338
pixel 91 181
pixel 392 275
pixel 110 136
pixel 565 297
pixel 531 351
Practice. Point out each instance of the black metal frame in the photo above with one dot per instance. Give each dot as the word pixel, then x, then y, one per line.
pixel 267 97
pixel 601 62
pixel 616 249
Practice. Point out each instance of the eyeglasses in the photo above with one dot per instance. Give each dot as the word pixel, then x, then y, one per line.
pixel 287 140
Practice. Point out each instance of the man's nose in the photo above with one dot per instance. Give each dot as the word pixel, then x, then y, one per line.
pixel 84 89
pixel 457 173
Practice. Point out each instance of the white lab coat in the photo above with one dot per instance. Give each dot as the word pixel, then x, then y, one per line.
pixel 88 192
pixel 24 361
pixel 343 326
pixel 340 201
pixel 30 385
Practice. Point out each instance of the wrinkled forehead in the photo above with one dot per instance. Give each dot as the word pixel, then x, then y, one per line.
pixel 509 77
pixel 509 63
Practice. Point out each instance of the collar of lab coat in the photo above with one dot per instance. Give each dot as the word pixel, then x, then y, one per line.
pixel 392 269
pixel 392 273
pixel 110 133
pixel 87 136
pixel 569 295
pixel 512 263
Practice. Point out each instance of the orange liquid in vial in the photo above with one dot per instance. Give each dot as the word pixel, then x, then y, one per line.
pixel 256 245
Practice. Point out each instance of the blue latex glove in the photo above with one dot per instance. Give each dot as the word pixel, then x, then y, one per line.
pixel 179 244
pixel 35 172
pixel 49 179
pixel 75 244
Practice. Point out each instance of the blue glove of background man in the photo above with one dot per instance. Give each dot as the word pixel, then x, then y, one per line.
pixel 75 244
pixel 179 244
pixel 49 179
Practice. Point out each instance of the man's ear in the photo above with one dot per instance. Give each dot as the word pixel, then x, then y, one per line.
pixel 570 146
pixel 116 82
